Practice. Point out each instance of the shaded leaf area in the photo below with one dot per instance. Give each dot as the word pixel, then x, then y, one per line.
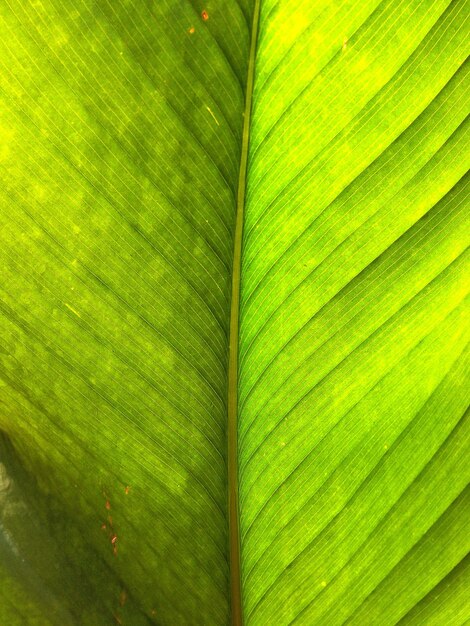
pixel 45 573
pixel 448 598
pixel 121 132
pixel 353 437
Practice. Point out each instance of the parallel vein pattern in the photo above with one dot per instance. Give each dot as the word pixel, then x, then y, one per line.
pixel 121 131
pixel 354 315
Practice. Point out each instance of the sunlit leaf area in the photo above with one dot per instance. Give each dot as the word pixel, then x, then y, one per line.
pixel 234 313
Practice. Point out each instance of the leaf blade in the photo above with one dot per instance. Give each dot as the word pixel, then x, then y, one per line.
pixel 352 192
pixel 123 127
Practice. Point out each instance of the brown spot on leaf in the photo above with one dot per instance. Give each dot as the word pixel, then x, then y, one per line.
pixel 205 15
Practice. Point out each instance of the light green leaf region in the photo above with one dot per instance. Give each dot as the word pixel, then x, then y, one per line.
pixel 352 437
pixel 123 132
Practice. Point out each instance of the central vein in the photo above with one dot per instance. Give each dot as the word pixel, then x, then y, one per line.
pixel 234 533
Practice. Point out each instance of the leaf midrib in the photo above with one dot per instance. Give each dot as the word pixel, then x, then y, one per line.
pixel 232 400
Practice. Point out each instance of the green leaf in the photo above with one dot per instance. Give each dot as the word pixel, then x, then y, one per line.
pixel 353 315
pixel 234 312
pixel 122 135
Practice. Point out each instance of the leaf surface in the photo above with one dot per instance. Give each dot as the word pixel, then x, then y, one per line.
pixel 121 143
pixel 132 139
pixel 354 318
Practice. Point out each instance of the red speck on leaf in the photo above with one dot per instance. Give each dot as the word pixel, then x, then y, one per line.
pixel 205 15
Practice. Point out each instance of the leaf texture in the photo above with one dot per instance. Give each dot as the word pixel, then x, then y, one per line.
pixel 132 139
pixel 354 317
pixel 121 136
